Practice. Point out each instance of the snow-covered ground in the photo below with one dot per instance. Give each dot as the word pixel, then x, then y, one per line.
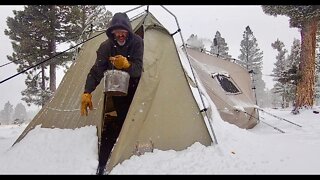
pixel 261 150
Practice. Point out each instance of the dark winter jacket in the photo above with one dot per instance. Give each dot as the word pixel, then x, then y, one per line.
pixel 132 49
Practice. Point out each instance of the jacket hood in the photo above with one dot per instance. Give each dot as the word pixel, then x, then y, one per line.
pixel 119 20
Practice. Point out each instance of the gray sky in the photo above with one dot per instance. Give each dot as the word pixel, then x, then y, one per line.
pixel 203 21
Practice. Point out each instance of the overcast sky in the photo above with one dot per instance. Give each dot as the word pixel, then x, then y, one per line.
pixel 203 21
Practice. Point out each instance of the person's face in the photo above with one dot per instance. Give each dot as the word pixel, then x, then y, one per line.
pixel 120 35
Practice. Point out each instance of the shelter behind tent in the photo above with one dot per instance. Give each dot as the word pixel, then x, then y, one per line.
pixel 163 113
pixel 229 87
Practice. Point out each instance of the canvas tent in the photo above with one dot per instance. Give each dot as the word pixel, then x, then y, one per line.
pixel 228 85
pixel 163 113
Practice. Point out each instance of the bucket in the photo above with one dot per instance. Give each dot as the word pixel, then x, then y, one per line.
pixel 116 82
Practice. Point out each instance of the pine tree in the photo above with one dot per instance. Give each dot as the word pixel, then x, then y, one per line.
pixel 86 17
pixel 281 87
pixel 27 45
pixel 19 114
pixel 35 93
pixel 276 99
pixel 6 113
pixel 195 43
pixel 294 56
pixel 35 33
pixel 251 59
pixel 98 16
pixel 306 18
pixel 219 46
pixel 292 73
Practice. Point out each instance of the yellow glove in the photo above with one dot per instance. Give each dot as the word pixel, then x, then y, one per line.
pixel 85 103
pixel 120 62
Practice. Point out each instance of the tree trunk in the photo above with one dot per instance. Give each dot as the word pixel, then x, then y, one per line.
pixel 305 86
pixel 43 78
pixel 53 77
pixel 43 82
pixel 52 51
pixel 283 99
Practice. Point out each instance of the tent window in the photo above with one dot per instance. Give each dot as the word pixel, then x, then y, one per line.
pixel 227 84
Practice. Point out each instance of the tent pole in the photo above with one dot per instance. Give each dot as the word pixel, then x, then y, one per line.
pixel 251 72
pixel 195 80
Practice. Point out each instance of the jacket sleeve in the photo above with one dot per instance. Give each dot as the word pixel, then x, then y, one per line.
pixel 96 72
pixel 136 58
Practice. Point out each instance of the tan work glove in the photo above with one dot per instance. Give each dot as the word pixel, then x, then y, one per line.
pixel 85 103
pixel 120 62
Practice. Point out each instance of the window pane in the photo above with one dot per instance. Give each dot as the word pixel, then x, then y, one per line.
pixel 227 85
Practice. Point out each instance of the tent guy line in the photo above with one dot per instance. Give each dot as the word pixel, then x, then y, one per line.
pixel 58 54
pixel 260 109
pixel 272 126
pixel 259 119
pixel 70 39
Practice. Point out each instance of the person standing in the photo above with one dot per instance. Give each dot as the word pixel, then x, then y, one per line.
pixel 123 50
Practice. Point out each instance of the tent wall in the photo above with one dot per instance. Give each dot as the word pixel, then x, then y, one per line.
pixel 164 111
pixel 226 102
pixel 63 111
